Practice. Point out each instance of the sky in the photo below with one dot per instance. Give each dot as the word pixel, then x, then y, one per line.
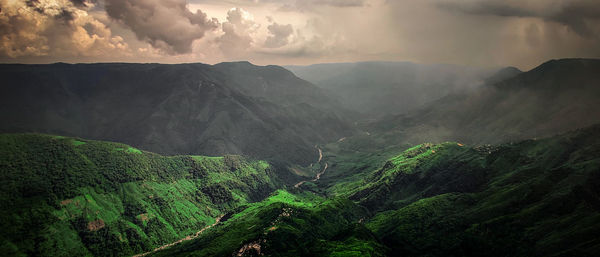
pixel 485 33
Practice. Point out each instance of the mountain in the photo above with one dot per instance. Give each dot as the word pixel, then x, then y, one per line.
pixel 531 198
pixel 502 74
pixel 229 108
pixel 387 88
pixel 486 171
pixel 75 197
pixel 275 84
pixel 555 97
pixel 71 196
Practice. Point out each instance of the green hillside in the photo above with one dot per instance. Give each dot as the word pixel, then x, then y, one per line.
pixel 533 198
pixel 286 224
pixel 74 197
pixel 67 196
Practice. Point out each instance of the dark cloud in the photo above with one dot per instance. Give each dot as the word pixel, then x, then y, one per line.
pixel 65 15
pixel 486 8
pixel 32 3
pixel 472 32
pixel 13 25
pixel 165 24
pixel 575 14
pixel 79 3
pixel 279 35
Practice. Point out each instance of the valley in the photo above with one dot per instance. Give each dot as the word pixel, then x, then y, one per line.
pixel 299 128
pixel 434 199
pixel 427 182
pixel 441 198
pixel 319 173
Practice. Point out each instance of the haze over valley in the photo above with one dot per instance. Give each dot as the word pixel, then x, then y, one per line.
pixel 299 128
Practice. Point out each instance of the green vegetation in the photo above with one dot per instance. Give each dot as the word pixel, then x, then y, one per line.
pixel 288 224
pixel 532 198
pixel 351 158
pixel 67 196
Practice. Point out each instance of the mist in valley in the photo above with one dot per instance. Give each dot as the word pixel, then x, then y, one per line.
pixel 299 128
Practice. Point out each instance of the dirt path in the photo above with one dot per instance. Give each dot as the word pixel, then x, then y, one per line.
pixel 320 155
pixel 187 238
pixel 320 173
pixel 318 176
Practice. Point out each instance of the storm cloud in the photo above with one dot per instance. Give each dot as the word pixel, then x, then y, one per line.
pixel 578 15
pixel 55 28
pixel 166 24
pixel 522 33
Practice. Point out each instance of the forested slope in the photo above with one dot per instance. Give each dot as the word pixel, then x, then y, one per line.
pixel 67 196
pixel 532 198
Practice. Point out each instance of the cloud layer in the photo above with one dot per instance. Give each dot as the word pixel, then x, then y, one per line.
pixel 521 33
pixel 165 24
pixel 54 28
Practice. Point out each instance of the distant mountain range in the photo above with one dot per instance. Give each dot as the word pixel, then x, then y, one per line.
pixel 267 112
pixel 555 97
pixel 376 89
pixel 497 184
pixel 229 108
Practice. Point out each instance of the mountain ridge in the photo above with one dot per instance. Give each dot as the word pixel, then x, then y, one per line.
pixel 530 104
pixel 173 109
pixel 508 168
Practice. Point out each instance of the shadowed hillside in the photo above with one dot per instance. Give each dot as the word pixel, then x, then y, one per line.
pixel 229 108
pixel 406 128
pixel 555 97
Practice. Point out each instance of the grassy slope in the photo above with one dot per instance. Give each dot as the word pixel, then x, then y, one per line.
pixel 74 197
pixel 286 224
pixel 533 198
pixel 349 160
